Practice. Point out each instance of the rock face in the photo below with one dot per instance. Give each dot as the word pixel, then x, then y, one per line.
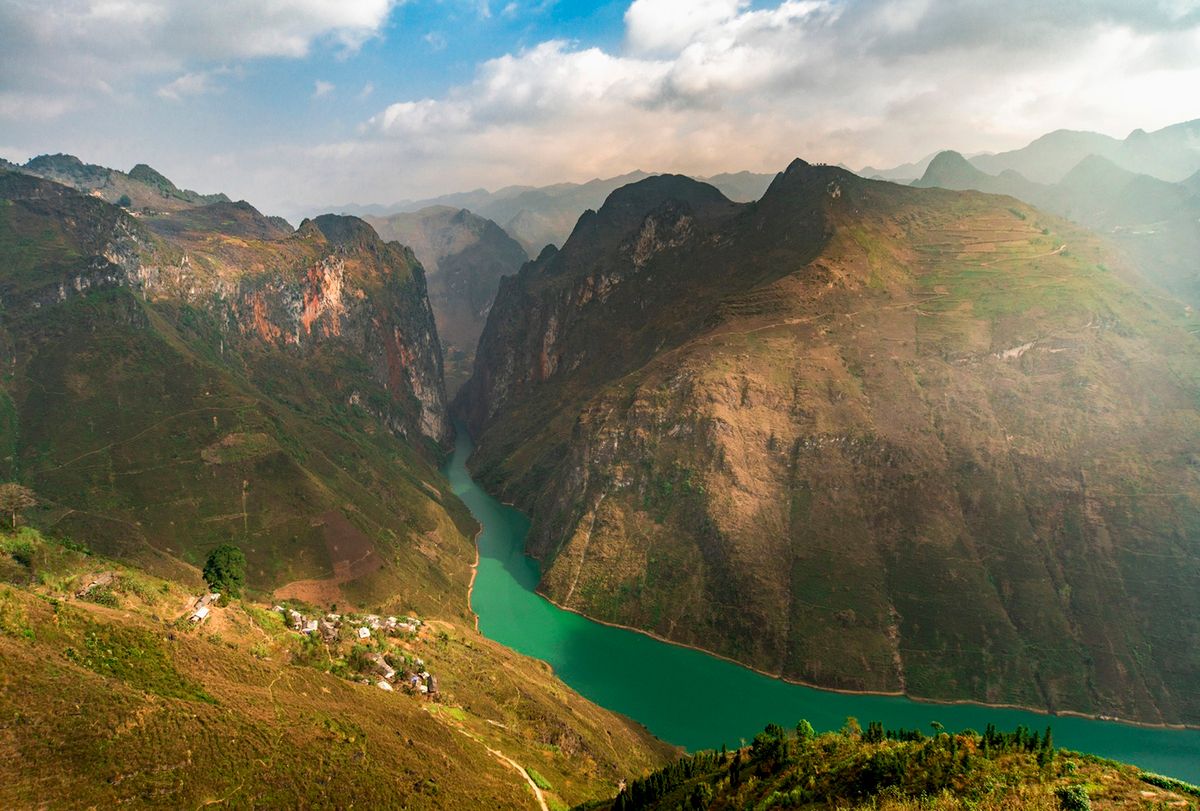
pixel 137 344
pixel 862 435
pixel 464 256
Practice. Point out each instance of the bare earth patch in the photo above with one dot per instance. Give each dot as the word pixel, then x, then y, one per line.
pixel 353 555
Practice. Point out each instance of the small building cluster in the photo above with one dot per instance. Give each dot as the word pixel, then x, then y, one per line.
pixel 201 608
pixel 330 625
pixel 386 668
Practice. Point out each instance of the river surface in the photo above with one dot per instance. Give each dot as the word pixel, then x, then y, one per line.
pixel 699 701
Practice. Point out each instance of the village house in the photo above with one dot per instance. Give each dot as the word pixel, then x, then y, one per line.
pixel 380 666
pixel 201 609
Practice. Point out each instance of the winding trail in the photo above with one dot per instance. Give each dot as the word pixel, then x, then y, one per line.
pixel 510 763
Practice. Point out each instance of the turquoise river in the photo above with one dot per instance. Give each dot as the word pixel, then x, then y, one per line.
pixel 700 701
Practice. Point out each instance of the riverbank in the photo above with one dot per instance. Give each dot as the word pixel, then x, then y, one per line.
pixel 693 698
pixel 950 702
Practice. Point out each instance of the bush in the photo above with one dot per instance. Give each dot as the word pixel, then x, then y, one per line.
pixel 1073 798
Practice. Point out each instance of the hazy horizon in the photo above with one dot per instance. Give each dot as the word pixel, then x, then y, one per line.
pixel 307 103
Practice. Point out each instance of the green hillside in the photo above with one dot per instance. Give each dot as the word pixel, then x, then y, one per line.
pixel 178 383
pixel 898 770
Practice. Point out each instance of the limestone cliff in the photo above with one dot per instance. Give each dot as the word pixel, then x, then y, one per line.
pixel 464 256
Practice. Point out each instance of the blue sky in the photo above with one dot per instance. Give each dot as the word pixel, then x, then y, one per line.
pixel 300 104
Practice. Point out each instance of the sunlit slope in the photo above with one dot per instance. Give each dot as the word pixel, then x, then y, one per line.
pixel 125 702
pixel 866 436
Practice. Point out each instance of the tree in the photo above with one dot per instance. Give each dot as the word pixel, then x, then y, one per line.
pixel 225 570
pixel 1073 798
pixel 15 499
pixel 805 731
pixel 124 202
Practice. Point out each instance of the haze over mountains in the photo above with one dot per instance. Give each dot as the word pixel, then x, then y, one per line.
pixel 542 216
pixel 464 256
pixel 1156 221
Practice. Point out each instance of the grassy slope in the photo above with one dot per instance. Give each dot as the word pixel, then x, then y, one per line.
pixel 119 703
pixel 844 453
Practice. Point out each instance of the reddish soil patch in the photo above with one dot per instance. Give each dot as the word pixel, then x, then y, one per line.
pixel 353 555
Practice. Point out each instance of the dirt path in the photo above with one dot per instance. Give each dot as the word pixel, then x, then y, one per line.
pixel 138 435
pixel 1054 252
pixel 510 763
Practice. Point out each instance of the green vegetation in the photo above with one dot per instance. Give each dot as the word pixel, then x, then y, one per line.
pixel 894 770
pixel 159 429
pixel 232 710
pixel 225 571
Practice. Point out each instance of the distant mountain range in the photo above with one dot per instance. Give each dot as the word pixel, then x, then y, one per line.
pixel 545 215
pixel 1171 154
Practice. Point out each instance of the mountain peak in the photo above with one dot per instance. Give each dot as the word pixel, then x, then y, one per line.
pixel 59 160
pixel 950 170
pixel 342 230
pixel 144 173
pixel 642 196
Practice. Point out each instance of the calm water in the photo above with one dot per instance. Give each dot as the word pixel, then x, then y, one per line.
pixel 698 701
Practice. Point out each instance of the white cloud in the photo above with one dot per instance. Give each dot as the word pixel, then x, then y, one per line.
pixel 366 91
pixel 189 84
pixel 69 50
pixel 322 88
pixel 668 26
pixel 714 85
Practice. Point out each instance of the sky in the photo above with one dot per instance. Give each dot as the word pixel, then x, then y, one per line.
pixel 302 105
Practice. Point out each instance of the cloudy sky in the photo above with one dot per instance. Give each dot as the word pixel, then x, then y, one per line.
pixel 293 104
